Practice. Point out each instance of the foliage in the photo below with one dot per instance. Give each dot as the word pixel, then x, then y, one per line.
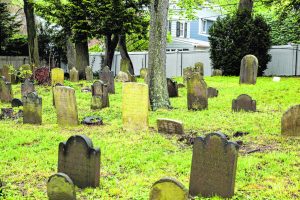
pixel 17 45
pixel 23 72
pixel 233 37
pixel 132 161
pixel 8 26
pixel 95 48
pixel 42 75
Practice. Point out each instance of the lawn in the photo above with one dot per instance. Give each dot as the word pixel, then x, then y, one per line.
pixel 132 161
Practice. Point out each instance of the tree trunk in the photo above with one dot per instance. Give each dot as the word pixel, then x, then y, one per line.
pixel 71 53
pixel 111 42
pixel 246 5
pixel 124 52
pixel 82 57
pixel 157 81
pixel 31 33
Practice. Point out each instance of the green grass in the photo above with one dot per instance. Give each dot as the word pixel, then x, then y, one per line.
pixel 132 161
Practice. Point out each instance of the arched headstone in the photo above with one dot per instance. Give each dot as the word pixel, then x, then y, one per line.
pixel 290 122
pixel 244 102
pixel 196 92
pixel 74 75
pixel 248 70
pixel 27 87
pixel 60 187
pixel 89 73
pixel 143 72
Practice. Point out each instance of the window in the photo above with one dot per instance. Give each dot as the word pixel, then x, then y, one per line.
pixel 170 26
pixel 181 29
pixel 204 25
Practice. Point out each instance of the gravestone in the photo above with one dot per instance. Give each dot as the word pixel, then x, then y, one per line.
pixel 89 74
pixel 99 95
pixel 243 102
pixel 135 106
pixel 57 76
pixel 168 189
pixel 6 94
pixel 172 88
pixel 123 77
pixel 213 168
pixel 74 75
pixel 27 87
pixel 32 109
pixel 196 92
pixel 143 72
pixel 80 160
pixel 16 102
pixel 212 92
pixel 188 71
pixel 107 77
pixel 65 104
pixel 199 67
pixel 60 187
pixel 217 72
pixel 290 122
pixel 6 72
pixel 248 70
pixel 170 126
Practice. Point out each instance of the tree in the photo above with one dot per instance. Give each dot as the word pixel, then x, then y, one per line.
pixel 31 32
pixel 158 91
pixel 8 26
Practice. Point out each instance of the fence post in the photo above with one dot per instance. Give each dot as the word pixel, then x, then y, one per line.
pixel 181 63
pixel 296 61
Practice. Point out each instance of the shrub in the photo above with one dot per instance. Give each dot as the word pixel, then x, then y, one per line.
pixel 42 75
pixel 233 37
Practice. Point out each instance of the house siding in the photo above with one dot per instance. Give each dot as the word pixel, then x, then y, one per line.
pixel 194 31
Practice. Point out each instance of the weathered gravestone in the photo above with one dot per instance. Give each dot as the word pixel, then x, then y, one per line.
pixel 172 88
pixel 213 166
pixel 212 92
pixel 196 92
pixel 290 122
pixel 135 106
pixel 99 95
pixel 65 104
pixel 89 74
pixel 170 126
pixel 168 189
pixel 199 67
pixel 248 70
pixel 5 90
pixel 243 102
pixel 6 72
pixel 60 187
pixel 74 75
pixel 217 72
pixel 107 77
pixel 57 76
pixel 27 87
pixel 32 109
pixel 80 160
pixel 188 71
pixel 143 72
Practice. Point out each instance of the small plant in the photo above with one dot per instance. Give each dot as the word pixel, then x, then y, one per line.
pixel 42 75
pixel 24 72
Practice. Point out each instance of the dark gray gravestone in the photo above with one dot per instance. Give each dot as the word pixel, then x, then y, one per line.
pixel 32 109
pixel 78 158
pixel 213 166
pixel 170 126
pixel 244 102
pixel 217 72
pixel 99 95
pixel 89 73
pixel 168 189
pixel 172 88
pixel 290 122
pixel 5 90
pixel 60 187
pixel 16 103
pixel 27 87
pixel 196 92
pixel 107 77
pixel 212 92
pixel 248 70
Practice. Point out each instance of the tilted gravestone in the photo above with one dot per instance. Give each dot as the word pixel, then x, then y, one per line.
pixel 248 70
pixel 135 106
pixel 217 72
pixel 66 107
pixel 170 126
pixel 80 160
pixel 168 189
pixel 57 76
pixel 213 168
pixel 99 95
pixel 143 72
pixel 89 74
pixel 32 109
pixel 107 77
pixel 27 87
pixel 196 92
pixel 212 92
pixel 188 71
pixel 172 88
pixel 199 67
pixel 6 94
pixel 243 102
pixel 290 122
pixel 74 75
pixel 60 187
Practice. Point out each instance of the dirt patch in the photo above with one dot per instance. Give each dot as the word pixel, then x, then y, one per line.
pixel 253 148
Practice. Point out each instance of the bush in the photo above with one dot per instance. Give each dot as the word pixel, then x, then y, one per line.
pixel 42 75
pixel 233 37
